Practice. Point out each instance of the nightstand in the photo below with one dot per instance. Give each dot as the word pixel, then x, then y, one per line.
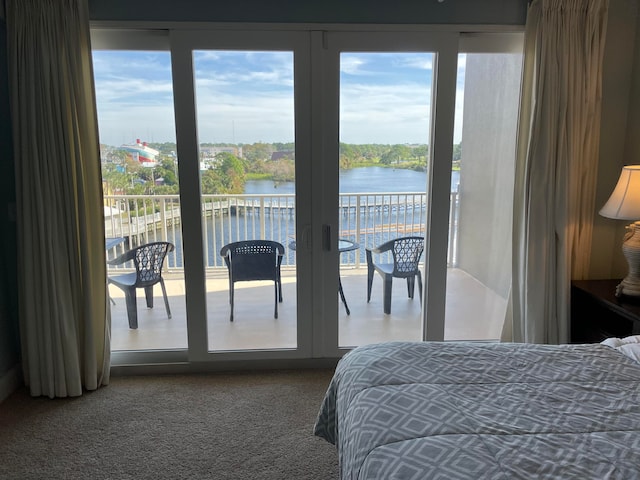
pixel 596 313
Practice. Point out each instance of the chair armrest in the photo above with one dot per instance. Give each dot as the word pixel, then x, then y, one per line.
pixel 124 258
pixel 385 247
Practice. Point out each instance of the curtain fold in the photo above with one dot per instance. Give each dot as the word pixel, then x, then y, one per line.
pixel 64 310
pixel 556 164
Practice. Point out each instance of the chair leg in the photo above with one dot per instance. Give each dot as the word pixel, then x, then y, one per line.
pixel 275 311
pixel 411 286
pixel 419 275
pixel 148 295
pixel 113 302
pixel 388 279
pixel 279 288
pixel 344 300
pixel 370 272
pixel 231 300
pixel 166 299
pixel 132 307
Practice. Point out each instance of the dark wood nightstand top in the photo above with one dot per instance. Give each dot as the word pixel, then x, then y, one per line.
pixel 603 291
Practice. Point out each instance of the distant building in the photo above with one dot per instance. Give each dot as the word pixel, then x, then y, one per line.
pixel 211 152
pixel 108 154
pixel 142 153
pixel 282 154
pixel 208 155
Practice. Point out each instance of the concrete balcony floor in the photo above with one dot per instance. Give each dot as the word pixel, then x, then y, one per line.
pixel 473 312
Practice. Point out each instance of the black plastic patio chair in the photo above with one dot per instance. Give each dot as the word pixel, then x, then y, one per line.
pixel 254 260
pixel 148 260
pixel 406 252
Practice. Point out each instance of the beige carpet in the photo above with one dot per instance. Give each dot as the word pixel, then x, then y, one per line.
pixel 214 426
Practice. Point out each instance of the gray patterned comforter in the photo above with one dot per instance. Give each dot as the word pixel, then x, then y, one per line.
pixel 440 410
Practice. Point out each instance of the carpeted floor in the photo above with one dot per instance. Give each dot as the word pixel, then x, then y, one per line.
pixel 214 426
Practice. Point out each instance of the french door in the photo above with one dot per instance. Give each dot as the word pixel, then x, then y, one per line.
pixel 359 137
pixel 235 90
pixel 379 89
pixel 207 110
pixel 444 105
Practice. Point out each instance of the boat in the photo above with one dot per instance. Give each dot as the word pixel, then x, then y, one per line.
pixel 142 153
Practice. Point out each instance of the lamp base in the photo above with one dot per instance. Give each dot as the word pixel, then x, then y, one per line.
pixel 630 285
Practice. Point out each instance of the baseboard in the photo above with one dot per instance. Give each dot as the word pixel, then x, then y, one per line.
pixel 223 367
pixel 10 381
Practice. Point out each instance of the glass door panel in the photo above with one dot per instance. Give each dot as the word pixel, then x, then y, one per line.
pixel 482 184
pixel 141 194
pixel 385 117
pixel 245 126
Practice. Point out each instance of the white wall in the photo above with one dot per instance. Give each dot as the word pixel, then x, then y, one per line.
pixel 619 144
pixel 487 168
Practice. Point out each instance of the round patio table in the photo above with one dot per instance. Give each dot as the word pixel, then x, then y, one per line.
pixel 344 245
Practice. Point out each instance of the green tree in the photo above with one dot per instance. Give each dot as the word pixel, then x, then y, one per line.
pixel 396 154
pixel 280 147
pixel 115 177
pixel 166 170
pixel 211 182
pixel 348 155
pixel 231 172
pixel 257 151
pixel 421 152
pixel 284 170
pixel 457 152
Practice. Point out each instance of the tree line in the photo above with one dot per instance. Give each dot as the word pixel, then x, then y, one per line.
pixel 228 173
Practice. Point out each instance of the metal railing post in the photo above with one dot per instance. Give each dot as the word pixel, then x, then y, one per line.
pixel 163 218
pixel 262 218
pixel 358 225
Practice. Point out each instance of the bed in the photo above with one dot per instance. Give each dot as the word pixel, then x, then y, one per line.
pixel 465 410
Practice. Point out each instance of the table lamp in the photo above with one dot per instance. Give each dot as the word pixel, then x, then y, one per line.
pixel 624 204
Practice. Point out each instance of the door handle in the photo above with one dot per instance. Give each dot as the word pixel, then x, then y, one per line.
pixel 306 238
pixel 326 237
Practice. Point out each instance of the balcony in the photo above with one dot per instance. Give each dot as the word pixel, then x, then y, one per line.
pixel 473 311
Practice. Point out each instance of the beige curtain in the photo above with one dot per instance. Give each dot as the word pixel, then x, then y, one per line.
pixel 556 164
pixel 64 316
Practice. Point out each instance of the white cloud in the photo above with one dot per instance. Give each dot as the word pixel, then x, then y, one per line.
pixel 151 123
pixel 243 104
pixel 421 62
pixel 352 65
pixel 248 119
pixel 128 90
pixel 385 114
pixel 272 77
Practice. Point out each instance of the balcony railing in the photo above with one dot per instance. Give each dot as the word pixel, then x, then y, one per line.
pixel 366 218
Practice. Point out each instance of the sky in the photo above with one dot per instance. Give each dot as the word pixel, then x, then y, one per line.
pixel 248 96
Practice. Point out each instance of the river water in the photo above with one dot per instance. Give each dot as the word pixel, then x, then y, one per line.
pixel 362 180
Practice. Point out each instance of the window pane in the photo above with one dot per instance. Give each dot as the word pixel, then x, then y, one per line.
pixel 134 96
pixel 385 114
pixel 245 114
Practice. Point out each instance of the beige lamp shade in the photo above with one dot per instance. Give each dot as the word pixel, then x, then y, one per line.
pixel 624 202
